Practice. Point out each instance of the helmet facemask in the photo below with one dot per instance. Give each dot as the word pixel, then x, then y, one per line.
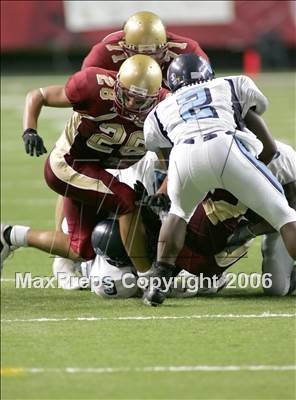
pixel 158 53
pixel 137 87
pixel 134 103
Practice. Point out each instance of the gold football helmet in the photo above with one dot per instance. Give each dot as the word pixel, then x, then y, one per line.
pixel 145 33
pixel 137 87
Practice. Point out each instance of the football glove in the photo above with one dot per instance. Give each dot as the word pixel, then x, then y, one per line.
pixel 140 190
pixel 33 142
pixel 239 237
pixel 160 201
pixel 150 219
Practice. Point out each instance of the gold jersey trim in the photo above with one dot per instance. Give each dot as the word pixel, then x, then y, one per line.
pixel 105 117
pixel 219 211
pixel 67 174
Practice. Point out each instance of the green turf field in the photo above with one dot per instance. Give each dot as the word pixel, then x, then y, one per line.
pixel 74 345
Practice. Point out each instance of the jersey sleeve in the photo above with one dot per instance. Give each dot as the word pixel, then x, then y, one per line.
pixel 198 50
pixel 96 57
pixel 154 136
pixel 80 89
pixel 283 167
pixel 250 96
pixel 182 44
pixel 73 88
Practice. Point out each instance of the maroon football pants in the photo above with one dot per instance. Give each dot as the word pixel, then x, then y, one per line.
pixel 83 207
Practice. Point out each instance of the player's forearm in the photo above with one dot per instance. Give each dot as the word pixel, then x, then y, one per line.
pixel 33 106
pixel 257 125
pixel 171 239
pixel 163 187
pixel 50 96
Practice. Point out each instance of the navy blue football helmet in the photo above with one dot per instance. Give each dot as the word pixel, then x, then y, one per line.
pixel 106 241
pixel 187 69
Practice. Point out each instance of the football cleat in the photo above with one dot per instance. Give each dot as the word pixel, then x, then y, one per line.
pixel 155 296
pixel 5 247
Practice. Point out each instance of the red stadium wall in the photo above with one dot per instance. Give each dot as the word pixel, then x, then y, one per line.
pixel 40 25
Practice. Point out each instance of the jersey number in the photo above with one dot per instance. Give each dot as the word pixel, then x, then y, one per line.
pixel 194 104
pixel 115 134
pixel 109 285
pixel 106 93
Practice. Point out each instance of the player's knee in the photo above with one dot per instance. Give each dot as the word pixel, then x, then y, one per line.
pixel 277 289
pixel 278 283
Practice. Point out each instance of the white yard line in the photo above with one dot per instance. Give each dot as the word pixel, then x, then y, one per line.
pixel 45 279
pixel 160 317
pixel 157 368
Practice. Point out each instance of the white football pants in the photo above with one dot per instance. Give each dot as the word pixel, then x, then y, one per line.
pixel 220 160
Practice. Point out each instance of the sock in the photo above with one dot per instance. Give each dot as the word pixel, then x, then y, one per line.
pixel 6 235
pixel 18 235
pixel 146 274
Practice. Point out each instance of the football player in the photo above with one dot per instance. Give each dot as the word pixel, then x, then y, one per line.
pixel 145 170
pixel 105 131
pixel 111 274
pixel 202 123
pixel 206 251
pixel 276 260
pixel 143 33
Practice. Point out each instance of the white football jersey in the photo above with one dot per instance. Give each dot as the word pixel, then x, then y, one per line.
pixel 220 104
pixel 284 166
pixel 143 171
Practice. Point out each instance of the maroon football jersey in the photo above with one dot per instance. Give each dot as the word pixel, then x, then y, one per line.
pixel 99 133
pixel 109 53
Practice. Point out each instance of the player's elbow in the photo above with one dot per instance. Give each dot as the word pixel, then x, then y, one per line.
pixel 34 97
pixel 276 290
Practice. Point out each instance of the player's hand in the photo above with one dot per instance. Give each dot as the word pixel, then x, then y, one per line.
pixel 240 236
pixel 159 200
pixel 140 190
pixel 33 143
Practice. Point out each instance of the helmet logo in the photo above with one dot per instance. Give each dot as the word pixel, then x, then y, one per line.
pixel 195 75
pixel 143 48
pixel 174 79
pixel 137 90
